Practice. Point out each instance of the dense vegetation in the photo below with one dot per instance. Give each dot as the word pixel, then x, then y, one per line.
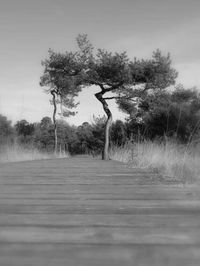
pixel 171 114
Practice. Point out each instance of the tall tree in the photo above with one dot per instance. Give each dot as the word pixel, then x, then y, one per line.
pixel 58 78
pixel 60 70
pixel 111 72
pixel 116 73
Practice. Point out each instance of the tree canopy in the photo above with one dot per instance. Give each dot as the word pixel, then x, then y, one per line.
pixel 66 74
pixel 127 79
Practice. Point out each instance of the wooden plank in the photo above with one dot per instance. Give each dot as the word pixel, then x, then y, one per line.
pixel 98 255
pixel 101 220
pixel 83 211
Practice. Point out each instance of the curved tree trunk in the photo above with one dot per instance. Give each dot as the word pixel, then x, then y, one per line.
pixel 54 122
pixel 105 154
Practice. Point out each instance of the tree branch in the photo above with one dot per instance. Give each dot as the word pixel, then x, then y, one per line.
pixel 111 98
pixel 118 97
pixel 113 87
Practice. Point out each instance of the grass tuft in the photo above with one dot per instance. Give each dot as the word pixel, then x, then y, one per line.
pixel 17 153
pixel 170 160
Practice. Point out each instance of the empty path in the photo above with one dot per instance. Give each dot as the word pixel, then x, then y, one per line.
pixel 88 212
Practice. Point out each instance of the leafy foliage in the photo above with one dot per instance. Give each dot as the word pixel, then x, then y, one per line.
pixel 58 77
pixel 173 113
pixel 66 74
pixel 6 130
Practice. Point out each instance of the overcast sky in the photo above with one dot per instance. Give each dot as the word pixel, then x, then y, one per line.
pixel 28 28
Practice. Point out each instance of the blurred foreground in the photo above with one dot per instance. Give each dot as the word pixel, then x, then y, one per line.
pixel 87 212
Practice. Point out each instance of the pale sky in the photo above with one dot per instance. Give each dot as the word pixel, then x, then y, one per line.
pixel 28 28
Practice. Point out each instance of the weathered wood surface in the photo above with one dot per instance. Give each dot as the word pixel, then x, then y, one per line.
pixel 88 212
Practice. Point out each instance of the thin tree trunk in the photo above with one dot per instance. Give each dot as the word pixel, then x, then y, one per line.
pixel 179 120
pixel 105 154
pixel 168 111
pixel 54 122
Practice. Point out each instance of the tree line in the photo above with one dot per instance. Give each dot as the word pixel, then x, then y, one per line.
pixel 172 114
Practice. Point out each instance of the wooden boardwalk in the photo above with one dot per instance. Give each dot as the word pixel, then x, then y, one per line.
pixel 87 212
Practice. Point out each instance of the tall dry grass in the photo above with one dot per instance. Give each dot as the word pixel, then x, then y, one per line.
pixel 17 153
pixel 181 163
